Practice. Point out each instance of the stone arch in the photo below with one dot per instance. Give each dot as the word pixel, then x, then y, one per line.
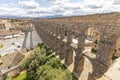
pixel 93 33
pixel 105 51
pixel 56 40
pixel 79 59
pixel 69 51
pixel 116 52
pixel 63 45
pixel 108 38
pixel 82 28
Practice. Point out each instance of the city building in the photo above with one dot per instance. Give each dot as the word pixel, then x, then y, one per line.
pixel 5 24
pixel 10 64
pixel 7 34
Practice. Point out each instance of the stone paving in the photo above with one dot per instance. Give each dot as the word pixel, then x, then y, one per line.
pixel 30 40
pixel 112 73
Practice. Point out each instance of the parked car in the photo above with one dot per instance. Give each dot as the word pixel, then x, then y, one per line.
pixel 18 46
pixel 13 43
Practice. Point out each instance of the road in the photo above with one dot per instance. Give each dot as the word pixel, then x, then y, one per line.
pixel 29 39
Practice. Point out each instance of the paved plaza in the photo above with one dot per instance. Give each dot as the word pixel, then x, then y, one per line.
pixel 26 40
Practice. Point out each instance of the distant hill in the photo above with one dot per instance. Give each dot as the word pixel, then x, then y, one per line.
pixel 14 17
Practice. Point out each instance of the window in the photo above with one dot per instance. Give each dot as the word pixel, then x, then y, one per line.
pixel 119 49
pixel 95 46
pixel 115 50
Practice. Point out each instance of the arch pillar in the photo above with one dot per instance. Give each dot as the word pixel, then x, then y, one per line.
pixel 57 41
pixel 104 57
pixel 62 50
pixel 79 59
pixel 62 43
pixel 69 51
pixel 69 56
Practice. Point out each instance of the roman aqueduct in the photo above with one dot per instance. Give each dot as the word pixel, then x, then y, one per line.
pixel 58 33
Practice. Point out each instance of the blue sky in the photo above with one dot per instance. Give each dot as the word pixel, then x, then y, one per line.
pixel 42 8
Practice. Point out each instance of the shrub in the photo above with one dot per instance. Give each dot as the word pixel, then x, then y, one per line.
pixel 47 72
pixel 42 65
pixel 1 45
pixel 93 50
pixel 96 41
pixel 114 57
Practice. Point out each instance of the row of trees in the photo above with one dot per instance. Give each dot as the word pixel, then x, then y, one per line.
pixel 42 65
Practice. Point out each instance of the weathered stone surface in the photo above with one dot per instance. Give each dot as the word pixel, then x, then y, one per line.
pixel 54 31
pixel 78 66
pixel 69 57
pixel 106 17
pixel 98 70
pixel 62 50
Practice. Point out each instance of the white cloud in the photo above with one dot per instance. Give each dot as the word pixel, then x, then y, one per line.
pixel 29 4
pixel 58 1
pixel 116 2
pixel 12 12
pixel 50 0
pixel 93 3
pixel 61 2
pixel 31 8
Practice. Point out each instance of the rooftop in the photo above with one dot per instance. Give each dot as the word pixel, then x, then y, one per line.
pixel 10 59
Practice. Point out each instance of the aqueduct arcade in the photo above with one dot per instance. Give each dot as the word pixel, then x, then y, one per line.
pixel 58 34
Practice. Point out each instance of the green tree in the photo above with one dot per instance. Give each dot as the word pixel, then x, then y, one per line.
pixel 34 60
pixel 47 72
pixel 55 63
pixel 41 64
pixel 96 41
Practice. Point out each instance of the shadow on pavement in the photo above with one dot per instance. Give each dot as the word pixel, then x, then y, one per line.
pixel 25 39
